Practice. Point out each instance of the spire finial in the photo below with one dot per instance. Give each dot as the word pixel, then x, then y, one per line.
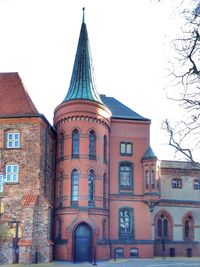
pixel 83 14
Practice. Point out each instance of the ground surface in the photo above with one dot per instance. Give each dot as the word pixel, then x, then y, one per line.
pixel 157 262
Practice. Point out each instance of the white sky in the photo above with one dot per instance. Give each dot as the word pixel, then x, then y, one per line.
pixel 129 43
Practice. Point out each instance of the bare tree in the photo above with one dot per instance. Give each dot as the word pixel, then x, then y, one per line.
pixel 185 70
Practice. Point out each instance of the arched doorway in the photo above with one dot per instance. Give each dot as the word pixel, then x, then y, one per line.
pixel 82 242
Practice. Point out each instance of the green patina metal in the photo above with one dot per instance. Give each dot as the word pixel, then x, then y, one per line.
pixel 82 84
pixel 149 154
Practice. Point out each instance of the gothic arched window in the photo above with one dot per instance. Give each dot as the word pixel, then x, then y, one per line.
pixel 74 187
pixel 91 188
pixel 163 227
pixel 188 228
pixel 92 145
pixel 75 143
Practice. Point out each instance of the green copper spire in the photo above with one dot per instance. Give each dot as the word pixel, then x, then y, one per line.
pixel 82 84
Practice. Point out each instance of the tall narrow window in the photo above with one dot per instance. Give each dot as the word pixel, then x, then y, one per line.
pixel 188 228
pixel 125 176
pixel 12 173
pixel 74 187
pixel 1 183
pixel 105 148
pixel 147 179
pixel 92 145
pixel 61 146
pixel 75 144
pixel 91 188
pixel 104 191
pixel 126 223
pixel 59 231
pixel 60 190
pixel 13 140
pixel 162 227
pixel 152 179
pixel 104 229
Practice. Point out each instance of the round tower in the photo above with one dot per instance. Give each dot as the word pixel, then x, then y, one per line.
pixel 82 123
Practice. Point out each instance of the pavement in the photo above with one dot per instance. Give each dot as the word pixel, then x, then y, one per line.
pixel 156 262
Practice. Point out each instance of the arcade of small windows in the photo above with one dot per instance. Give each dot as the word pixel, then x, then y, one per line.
pixel 76 145
pixel 126 223
pixel 125 176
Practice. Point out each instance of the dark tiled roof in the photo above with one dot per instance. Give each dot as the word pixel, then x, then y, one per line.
pixel 149 154
pixel 13 96
pixel 82 84
pixel 119 110
pixel 185 165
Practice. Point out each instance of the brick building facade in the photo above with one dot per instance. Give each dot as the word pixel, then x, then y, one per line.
pixel 90 185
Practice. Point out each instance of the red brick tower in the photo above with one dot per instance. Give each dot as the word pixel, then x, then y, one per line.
pixel 82 122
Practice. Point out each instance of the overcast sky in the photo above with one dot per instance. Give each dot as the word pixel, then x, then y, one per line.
pixel 129 42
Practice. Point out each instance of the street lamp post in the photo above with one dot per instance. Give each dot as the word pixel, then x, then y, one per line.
pixel 15 239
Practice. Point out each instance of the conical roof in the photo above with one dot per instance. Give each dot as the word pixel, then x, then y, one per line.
pixel 149 154
pixel 82 84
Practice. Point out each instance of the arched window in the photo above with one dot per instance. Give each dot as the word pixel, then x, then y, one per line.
pixel 75 143
pixel 126 223
pixel 74 187
pixel 104 191
pixel 59 229
pixel 91 188
pixel 147 180
pixel 60 190
pixel 188 228
pixel 134 252
pixel 163 226
pixel 119 252
pixel 105 148
pixel 152 179
pixel 61 141
pixel 92 145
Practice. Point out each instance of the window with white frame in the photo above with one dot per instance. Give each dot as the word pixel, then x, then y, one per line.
pixel 126 149
pixel 176 183
pixel 197 184
pixel 13 140
pixel 1 183
pixel 12 173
